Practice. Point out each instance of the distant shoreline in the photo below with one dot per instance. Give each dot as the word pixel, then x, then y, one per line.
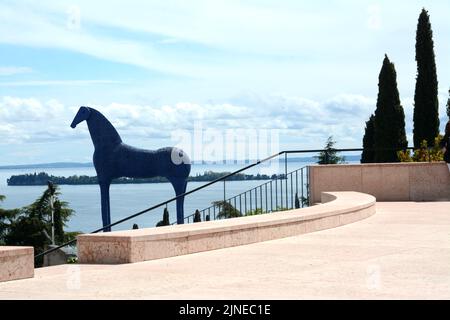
pixel 65 165
pixel 42 178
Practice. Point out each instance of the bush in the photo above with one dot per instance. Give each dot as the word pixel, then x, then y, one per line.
pixel 254 212
pixel 424 154
pixel 226 210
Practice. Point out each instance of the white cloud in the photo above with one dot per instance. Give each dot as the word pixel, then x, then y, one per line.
pixel 303 123
pixel 32 120
pixel 11 71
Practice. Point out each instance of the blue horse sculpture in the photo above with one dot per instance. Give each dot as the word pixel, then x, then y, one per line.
pixel 114 159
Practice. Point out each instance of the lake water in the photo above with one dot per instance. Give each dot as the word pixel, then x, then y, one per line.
pixel 130 198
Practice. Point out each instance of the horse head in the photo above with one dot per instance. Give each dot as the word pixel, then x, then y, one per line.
pixel 82 115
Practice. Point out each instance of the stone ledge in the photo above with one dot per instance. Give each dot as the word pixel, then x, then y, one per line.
pixel 338 208
pixel 16 263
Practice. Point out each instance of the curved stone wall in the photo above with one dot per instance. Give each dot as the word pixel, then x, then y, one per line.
pixel 337 209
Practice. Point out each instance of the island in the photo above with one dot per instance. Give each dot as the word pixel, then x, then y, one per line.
pixel 41 179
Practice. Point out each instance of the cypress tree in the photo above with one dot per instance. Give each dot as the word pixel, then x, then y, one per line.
pixel 426 105
pixel 165 221
pixel 297 201
pixel 197 217
pixel 448 105
pixel 368 154
pixel 389 123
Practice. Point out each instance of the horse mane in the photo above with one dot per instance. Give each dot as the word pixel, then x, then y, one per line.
pixel 102 131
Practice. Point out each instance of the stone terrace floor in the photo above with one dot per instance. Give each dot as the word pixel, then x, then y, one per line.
pixel 402 252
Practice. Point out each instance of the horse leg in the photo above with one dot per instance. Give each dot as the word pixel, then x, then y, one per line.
pixel 179 185
pixel 106 214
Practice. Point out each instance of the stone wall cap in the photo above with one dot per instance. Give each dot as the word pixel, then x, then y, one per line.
pixel 386 164
pixel 9 251
pixel 344 202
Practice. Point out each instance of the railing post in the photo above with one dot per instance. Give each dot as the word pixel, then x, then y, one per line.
pixel 286 177
pixel 256 199
pixel 265 186
pixel 292 197
pixel 245 201
pixel 224 194
pixel 301 181
pixel 271 197
pixel 240 203
pixel 261 198
pixel 281 192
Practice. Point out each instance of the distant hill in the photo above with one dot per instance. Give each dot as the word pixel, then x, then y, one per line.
pixel 49 165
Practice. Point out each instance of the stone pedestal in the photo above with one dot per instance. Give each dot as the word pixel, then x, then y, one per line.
pixel 16 263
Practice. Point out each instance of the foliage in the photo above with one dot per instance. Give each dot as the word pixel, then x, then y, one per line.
pixel 6 217
pixel 207 218
pixel 197 217
pixel 226 210
pixel 278 208
pixel 165 221
pixel 32 225
pixel 424 153
pixel 368 154
pixel 389 122
pixel 305 201
pixel 28 231
pixel 254 212
pixel 72 260
pixel 426 105
pixel 448 105
pixel 329 155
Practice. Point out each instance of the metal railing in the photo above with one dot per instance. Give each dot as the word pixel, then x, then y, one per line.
pixel 281 192
pixel 224 178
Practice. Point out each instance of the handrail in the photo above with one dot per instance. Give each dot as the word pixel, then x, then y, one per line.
pixel 281 176
pixel 258 162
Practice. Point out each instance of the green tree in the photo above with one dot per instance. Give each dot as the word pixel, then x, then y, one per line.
pixel 197 217
pixel 389 123
pixel 226 210
pixel 165 221
pixel 368 154
pixel 329 155
pixel 32 225
pixel 426 105
pixel 28 231
pixel 6 218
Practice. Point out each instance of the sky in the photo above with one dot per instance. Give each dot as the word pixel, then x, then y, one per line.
pixel 305 69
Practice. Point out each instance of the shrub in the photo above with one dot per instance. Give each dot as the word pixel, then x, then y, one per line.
pixel 424 153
